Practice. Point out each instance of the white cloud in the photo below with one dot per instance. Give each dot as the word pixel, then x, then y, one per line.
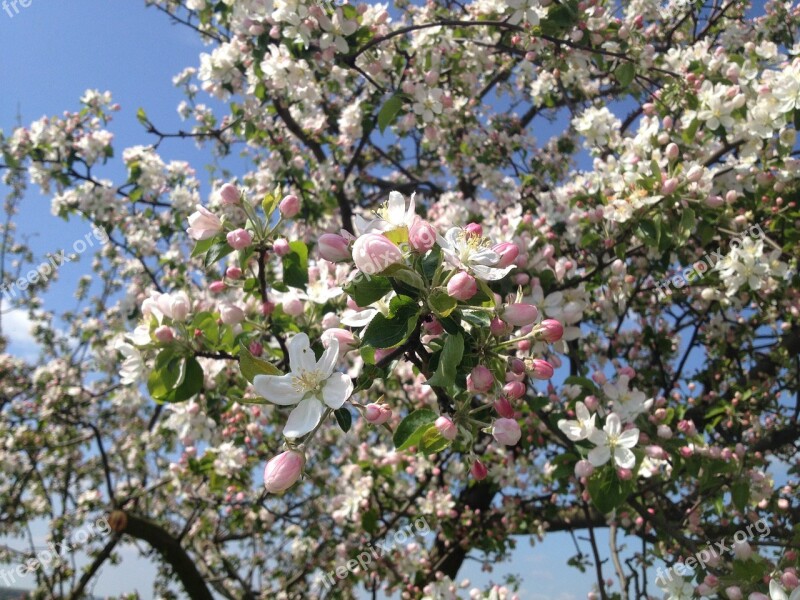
pixel 18 330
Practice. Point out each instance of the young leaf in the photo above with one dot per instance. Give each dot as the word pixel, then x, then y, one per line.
pixel 252 366
pixel 343 418
pixel 452 353
pixel 411 429
pixel 389 112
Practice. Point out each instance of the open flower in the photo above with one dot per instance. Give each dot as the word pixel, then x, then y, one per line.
pixel 611 440
pixel 581 428
pixel 473 253
pixel 310 385
pixel 776 592
pixel 394 214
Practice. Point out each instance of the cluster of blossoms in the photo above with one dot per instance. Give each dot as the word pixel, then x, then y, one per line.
pixel 413 294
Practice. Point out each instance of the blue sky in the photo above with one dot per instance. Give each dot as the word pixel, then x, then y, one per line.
pixel 50 53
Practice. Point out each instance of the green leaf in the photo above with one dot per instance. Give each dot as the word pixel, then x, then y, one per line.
pixel 687 223
pixel 367 354
pixel 740 494
pixel 432 441
pixel 141 116
pixel 409 277
pixel 648 231
pixel 174 378
pixel 607 490
pixel 625 74
pixel 202 246
pixel 252 366
pixel 369 520
pixel 219 250
pixel 389 332
pixel 412 428
pixel 389 112
pixel 295 265
pixel 343 418
pixel 365 290
pixel 449 359
pixel 441 303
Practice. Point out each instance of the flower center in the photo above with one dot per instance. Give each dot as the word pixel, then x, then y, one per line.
pixel 307 381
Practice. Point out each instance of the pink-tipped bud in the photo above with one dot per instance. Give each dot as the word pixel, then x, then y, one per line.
pixel 503 407
pixel 230 314
pixel 374 253
pixel 333 247
pixel 281 247
pixel 514 389
pixel 421 236
pixel 479 470
pixel 540 369
pixel 669 186
pixel 164 334
pixel 583 468
pixel 239 239
pixel 520 314
pixel 256 349
pixel 346 339
pixel 508 252
pixel 551 330
pixel 462 286
pixel 499 328
pixel 742 550
pixel 433 327
pixel 474 229
pixel 289 206
pixel 233 273
pixel 480 379
pixel 372 412
pixel 216 287
pixel 229 194
pixel 447 428
pixel 624 474
pixel 790 580
pixel 283 471
pixel 672 151
pixel 734 592
pixel 267 308
pixel 506 431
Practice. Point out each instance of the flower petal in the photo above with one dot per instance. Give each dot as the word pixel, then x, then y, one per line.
pixel 485 257
pixel 624 458
pixel 613 425
pixel 303 418
pixel 278 389
pixel 329 358
pixel 628 439
pixel 301 357
pixel 360 318
pixel 599 456
pixel 396 208
pixel 489 273
pixel 336 390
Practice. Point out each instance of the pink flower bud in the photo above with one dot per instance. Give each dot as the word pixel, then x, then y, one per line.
pixel 695 173
pixel 230 314
pixel 734 593
pixel 283 471
pixel 289 206
pixel 333 247
pixel 203 224
pixel 239 239
pixel 474 229
pixel 480 379
pixel 479 470
pixel 499 328
pixel 256 349
pixel 551 330
pixel 514 389
pixel 506 432
pixel 672 151
pixel 624 474
pixel 540 369
pixel 293 307
pixel 421 236
pixel 372 413
pixel 758 596
pixel 789 580
pixel 346 339
pixel 433 327
pixel 374 253
pixel 669 186
pixel 229 194
pixel 447 428
pixel 267 308
pixel 504 408
pixel 281 247
pixel 520 314
pixel 462 286
pixel 508 252
pixel 164 334
pixel 217 287
pixel 583 468
pixel 233 272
